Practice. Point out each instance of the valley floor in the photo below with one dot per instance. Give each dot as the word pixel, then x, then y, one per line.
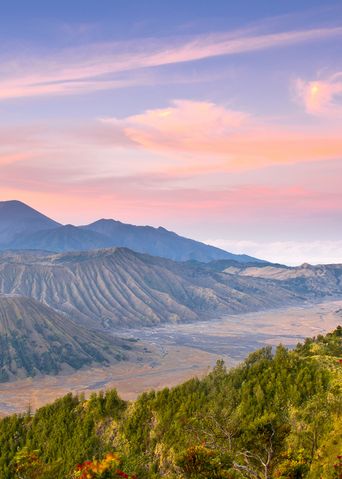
pixel 175 353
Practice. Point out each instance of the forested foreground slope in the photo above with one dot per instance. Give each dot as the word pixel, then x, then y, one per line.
pixel 277 415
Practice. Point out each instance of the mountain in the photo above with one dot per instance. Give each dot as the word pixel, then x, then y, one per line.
pixel 62 238
pixel 315 280
pixel 35 339
pixel 16 219
pixel 121 288
pixel 23 228
pixel 160 242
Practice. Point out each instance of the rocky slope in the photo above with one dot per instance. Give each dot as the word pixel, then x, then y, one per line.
pixel 309 280
pixel 122 288
pixel 35 339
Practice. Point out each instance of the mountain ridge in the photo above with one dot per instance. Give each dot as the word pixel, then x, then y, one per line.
pixel 24 228
pixel 160 242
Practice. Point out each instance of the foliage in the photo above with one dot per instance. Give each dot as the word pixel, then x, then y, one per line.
pixel 330 344
pixel 201 462
pixel 276 416
pixel 28 465
pixel 106 468
pixel 294 465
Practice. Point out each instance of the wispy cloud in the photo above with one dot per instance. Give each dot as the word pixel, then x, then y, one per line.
pixel 99 66
pixel 321 97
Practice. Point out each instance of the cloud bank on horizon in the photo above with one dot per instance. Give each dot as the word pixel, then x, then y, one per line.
pixel 205 118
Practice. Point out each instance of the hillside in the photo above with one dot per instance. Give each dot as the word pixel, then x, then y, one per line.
pixel 121 288
pixel 277 415
pixel 23 228
pixel 34 339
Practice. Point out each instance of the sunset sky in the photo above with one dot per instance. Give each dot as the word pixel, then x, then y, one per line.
pixel 219 120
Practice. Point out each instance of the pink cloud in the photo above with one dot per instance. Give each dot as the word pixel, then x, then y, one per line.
pixel 224 138
pixel 321 97
pixel 186 126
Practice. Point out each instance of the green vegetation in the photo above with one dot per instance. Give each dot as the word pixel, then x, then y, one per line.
pixel 276 416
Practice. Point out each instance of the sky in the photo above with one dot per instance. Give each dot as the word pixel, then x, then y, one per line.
pixel 219 120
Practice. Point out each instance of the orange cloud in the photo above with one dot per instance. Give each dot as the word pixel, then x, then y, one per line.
pixel 186 126
pixel 321 97
pixel 206 132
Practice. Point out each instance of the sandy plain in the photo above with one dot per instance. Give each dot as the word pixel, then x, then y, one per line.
pixel 175 353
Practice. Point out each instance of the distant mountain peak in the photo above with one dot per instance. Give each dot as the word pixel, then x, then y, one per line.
pixel 12 203
pixel 17 206
pixel 17 219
